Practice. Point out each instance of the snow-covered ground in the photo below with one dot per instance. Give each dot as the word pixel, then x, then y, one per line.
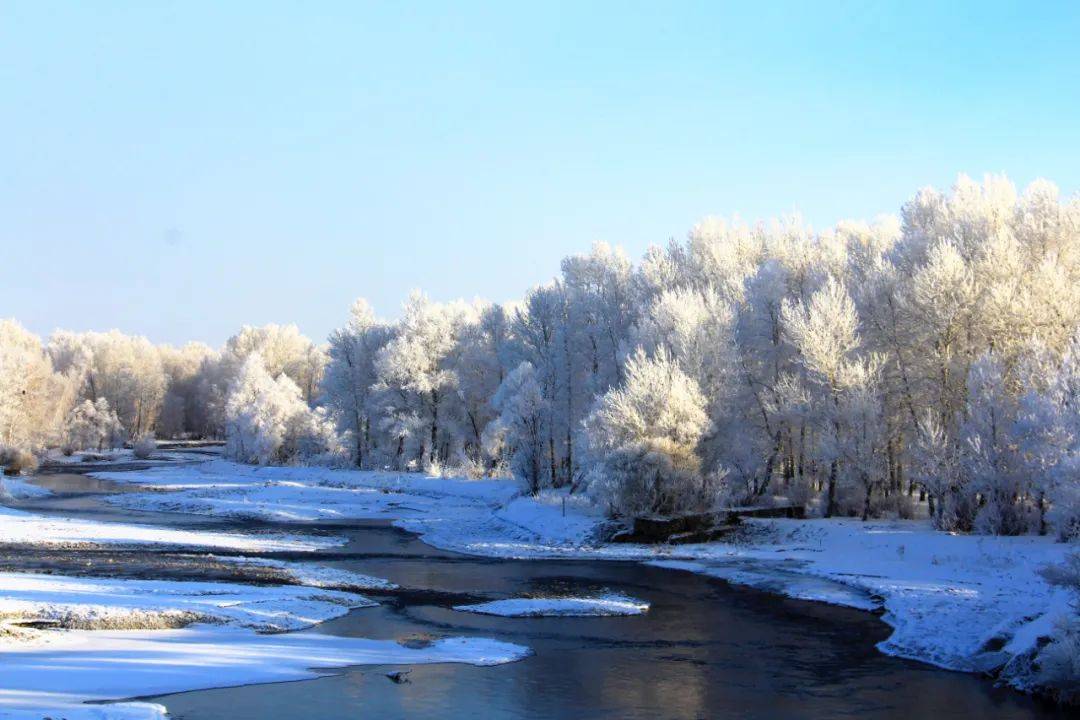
pixel 600 606
pixel 67 640
pixel 32 528
pixel 55 679
pixel 99 603
pixel 294 494
pixel 317 575
pixel 960 602
pixel 16 488
pixel 127 638
pixel 174 453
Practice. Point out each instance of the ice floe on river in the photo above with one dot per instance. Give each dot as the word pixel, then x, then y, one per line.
pixel 600 606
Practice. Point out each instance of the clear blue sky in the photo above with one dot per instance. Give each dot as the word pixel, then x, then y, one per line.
pixel 176 169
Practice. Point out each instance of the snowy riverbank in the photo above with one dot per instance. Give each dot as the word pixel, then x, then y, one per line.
pixel 960 602
pixel 71 639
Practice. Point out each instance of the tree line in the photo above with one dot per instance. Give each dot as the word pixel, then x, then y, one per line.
pixel 925 363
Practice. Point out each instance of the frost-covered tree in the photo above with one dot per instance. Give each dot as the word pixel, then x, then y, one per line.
pixel 481 362
pixel 267 420
pixel 695 327
pixel 284 350
pixel 350 377
pixel 520 426
pixel 417 383
pixel 914 365
pixel 543 337
pixel 186 369
pixel 93 425
pixel 1046 435
pixel 33 397
pixel 825 332
pixel 643 437
pixel 124 370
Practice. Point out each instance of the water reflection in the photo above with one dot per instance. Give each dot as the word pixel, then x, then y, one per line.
pixel 705 650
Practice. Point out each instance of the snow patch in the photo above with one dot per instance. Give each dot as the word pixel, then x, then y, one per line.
pixel 55 679
pixel 15 488
pixel 99 603
pixel 602 606
pixel 24 527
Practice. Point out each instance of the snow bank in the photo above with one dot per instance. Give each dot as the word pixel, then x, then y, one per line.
pixel 319 576
pixel 15 488
pixel 961 602
pixel 123 456
pixel 99 603
pixel 304 494
pixel 23 527
pixel 604 605
pixel 55 679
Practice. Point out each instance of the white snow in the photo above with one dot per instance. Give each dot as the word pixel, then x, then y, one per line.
pixel 604 605
pixel 25 527
pixel 15 488
pixel 94 603
pixel 305 494
pixel 317 575
pixel 53 680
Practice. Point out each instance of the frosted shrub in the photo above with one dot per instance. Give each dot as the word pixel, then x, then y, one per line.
pixel 267 421
pixel 1057 665
pixel 17 461
pixel 144 447
pixel 644 437
pixel 1059 662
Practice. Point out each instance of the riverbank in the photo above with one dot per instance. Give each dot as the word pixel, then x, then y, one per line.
pixel 90 626
pixel 968 603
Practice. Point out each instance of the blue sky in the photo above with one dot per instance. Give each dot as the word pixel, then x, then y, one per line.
pixel 178 169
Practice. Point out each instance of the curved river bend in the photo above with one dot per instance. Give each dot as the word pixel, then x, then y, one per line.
pixel 704 650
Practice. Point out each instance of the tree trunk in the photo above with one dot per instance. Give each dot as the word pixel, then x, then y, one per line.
pixel 434 426
pixel 830 505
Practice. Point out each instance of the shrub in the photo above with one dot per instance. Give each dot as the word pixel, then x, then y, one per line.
pixel 18 461
pixel 1057 665
pixel 643 437
pixel 144 447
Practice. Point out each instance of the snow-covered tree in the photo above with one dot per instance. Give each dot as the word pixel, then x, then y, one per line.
pixel 542 334
pixel 520 426
pixel 267 420
pixel 33 397
pixel 417 383
pixel 124 370
pixel 351 375
pixel 920 364
pixel 284 349
pixel 643 437
pixel 825 332
pixel 186 369
pixel 93 425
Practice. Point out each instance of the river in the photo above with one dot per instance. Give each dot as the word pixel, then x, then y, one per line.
pixel 704 650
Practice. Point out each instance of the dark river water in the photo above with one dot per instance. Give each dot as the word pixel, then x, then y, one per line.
pixel 704 650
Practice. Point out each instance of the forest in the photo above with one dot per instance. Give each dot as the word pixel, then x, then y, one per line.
pixel 926 363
